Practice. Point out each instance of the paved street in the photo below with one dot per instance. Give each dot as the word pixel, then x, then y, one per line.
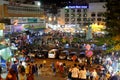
pixel 47 73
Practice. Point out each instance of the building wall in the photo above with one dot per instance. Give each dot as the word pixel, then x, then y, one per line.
pixel 20 12
pixel 80 16
pixel 11 11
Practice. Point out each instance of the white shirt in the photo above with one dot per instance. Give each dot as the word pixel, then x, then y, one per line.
pixel 75 72
pixel 94 73
pixel 82 74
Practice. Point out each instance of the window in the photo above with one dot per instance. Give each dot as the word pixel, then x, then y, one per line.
pixel 84 19
pixel 85 15
pixel 72 15
pixel 66 15
pixel 78 15
pixel 99 14
pixel 103 19
pixel 85 23
pixel 66 10
pixel 99 19
pixel 84 10
pixel 78 10
pixel 72 19
pixel 66 19
pixel 93 19
pixel 72 10
pixel 78 19
pixel 93 15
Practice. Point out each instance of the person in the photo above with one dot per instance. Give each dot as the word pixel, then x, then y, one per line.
pixel 74 58
pixel 87 74
pixel 0 73
pixel 21 71
pixel 57 65
pixel 36 69
pixel 75 72
pixel 44 63
pixel 40 70
pixel 30 75
pixel 11 75
pixel 14 67
pixel 70 73
pixel 82 73
pixel 107 76
pixel 54 71
pixel 115 77
pixel 27 70
pixel 94 74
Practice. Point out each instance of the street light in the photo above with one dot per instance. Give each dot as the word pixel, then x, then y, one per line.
pixel 50 19
pixel 38 3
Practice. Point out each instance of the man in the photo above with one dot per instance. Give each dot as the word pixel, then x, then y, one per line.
pixel 14 68
pixel 21 71
pixel 75 72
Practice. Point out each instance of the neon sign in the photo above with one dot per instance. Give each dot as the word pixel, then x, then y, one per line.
pixel 71 7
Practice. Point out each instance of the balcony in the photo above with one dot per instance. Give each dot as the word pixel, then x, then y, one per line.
pixel 23 11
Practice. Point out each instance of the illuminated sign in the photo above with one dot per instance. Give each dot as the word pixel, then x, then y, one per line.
pixel 71 7
pixel 32 20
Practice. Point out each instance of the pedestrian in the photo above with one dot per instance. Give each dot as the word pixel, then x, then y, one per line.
pixel 82 73
pixel 70 73
pixel 61 68
pixel 11 75
pixel 54 71
pixel 21 72
pixel 107 76
pixel 31 74
pixel 87 74
pixel 57 65
pixel 75 72
pixel 14 67
pixel 40 70
pixel 44 63
pixel 27 70
pixel 94 74
pixel 74 58
pixel 36 70
pixel 52 65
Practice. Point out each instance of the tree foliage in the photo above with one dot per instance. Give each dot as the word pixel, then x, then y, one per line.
pixel 113 17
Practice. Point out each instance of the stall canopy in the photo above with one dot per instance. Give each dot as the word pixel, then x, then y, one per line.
pixel 5 52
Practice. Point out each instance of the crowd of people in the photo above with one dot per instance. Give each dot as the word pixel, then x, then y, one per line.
pixel 108 65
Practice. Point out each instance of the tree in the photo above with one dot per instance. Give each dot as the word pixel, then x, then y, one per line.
pixel 113 24
pixel 113 17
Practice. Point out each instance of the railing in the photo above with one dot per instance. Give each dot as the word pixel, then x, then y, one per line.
pixel 24 10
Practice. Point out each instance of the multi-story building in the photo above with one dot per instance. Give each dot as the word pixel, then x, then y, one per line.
pixel 11 10
pixel 79 15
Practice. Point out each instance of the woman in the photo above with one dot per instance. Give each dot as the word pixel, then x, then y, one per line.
pixel 82 73
pixel 30 75
pixel 11 75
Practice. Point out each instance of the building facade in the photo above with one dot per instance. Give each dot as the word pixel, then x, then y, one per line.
pixel 79 15
pixel 12 10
